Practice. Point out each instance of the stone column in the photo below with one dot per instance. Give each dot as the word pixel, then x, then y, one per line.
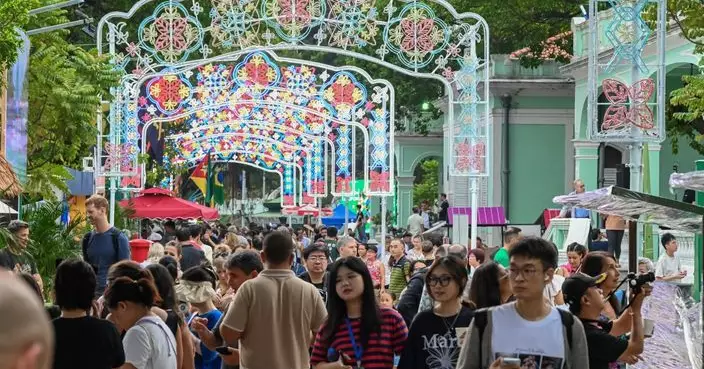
pixel 654 152
pixel 404 199
pixel 586 163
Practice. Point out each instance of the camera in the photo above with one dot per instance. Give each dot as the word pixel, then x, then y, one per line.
pixel 637 281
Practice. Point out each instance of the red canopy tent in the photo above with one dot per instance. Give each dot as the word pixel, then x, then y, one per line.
pixel 157 203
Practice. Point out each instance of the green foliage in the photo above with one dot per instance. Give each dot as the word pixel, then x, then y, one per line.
pixel 523 23
pixel 49 239
pixel 685 111
pixel 65 84
pixel 427 186
pixel 44 181
pixel 13 16
pixel 686 114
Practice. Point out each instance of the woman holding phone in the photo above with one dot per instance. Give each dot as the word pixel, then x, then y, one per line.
pixel 357 334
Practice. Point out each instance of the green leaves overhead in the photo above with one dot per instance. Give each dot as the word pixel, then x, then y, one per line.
pixel 13 16
pixel 65 82
pixel 685 115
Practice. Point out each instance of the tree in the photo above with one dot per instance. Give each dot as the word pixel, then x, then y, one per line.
pixel 518 24
pixel 426 186
pixel 686 105
pixel 65 84
pixel 13 16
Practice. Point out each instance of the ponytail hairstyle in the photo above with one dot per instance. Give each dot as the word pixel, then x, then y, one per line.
pixel 125 289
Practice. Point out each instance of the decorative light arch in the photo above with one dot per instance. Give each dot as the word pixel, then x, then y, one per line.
pixel 421 40
pixel 316 112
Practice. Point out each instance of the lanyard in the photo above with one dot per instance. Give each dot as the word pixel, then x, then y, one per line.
pixel 358 350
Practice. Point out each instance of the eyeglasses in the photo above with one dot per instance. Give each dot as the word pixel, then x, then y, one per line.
pixel 526 273
pixel 443 281
pixel 317 258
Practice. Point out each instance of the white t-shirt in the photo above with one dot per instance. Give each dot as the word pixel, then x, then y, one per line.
pixel 208 251
pixel 538 344
pixel 149 344
pixel 415 224
pixel 668 265
pixel 553 289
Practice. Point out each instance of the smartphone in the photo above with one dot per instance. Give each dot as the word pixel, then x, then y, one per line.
pixel 223 350
pixel 512 361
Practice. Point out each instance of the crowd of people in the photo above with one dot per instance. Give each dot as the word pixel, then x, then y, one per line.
pixel 262 297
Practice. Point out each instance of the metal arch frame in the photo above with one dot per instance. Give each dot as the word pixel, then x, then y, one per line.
pixel 480 25
pixel 282 162
pixel 479 29
pixel 136 85
pixel 265 141
pixel 295 167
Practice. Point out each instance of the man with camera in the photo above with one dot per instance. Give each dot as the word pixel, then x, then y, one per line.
pixel 604 341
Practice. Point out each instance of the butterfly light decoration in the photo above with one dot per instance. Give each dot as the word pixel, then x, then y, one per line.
pixel 628 104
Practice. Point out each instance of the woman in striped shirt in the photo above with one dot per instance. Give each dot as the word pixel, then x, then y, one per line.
pixel 357 334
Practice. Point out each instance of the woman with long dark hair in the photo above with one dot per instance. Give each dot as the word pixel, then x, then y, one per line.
pixel 490 286
pixel 130 302
pixel 596 263
pixel 575 254
pixel 436 335
pixel 164 283
pixel 357 332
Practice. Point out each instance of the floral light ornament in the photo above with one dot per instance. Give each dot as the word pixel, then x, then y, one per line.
pixel 628 104
pixel 470 157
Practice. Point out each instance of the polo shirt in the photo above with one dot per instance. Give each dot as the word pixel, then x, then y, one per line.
pixel 277 312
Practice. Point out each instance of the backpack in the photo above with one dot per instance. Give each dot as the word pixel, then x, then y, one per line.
pixel 481 316
pixel 86 243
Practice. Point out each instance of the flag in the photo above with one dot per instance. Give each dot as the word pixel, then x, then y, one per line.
pixel 209 183
pixel 218 190
pixel 200 175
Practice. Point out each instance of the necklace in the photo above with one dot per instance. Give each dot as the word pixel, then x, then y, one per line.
pixel 451 327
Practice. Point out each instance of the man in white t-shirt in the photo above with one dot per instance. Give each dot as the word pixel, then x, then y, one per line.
pixel 527 333
pixel 415 223
pixel 669 266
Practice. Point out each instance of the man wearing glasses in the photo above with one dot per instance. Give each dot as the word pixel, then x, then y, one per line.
pixel 516 334
pixel 316 259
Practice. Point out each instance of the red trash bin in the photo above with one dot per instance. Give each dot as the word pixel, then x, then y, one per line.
pixel 139 249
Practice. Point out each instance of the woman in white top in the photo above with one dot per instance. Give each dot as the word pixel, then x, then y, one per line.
pixel 416 253
pixel 148 341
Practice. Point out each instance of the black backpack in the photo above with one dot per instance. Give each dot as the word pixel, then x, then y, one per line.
pixel 481 317
pixel 114 235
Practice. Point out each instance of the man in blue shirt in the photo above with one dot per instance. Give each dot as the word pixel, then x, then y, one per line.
pixel 105 245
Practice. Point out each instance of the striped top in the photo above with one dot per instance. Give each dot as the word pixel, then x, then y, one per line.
pixel 399 271
pixel 379 351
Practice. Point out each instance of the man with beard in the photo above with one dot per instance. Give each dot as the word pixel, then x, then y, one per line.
pixel 105 245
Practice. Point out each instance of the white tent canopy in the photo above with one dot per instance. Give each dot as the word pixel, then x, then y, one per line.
pixel 6 209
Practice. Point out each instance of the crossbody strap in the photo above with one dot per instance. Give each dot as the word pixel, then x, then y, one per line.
pixel 142 321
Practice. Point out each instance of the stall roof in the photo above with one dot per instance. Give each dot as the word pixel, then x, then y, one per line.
pixel 689 181
pixel 631 205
